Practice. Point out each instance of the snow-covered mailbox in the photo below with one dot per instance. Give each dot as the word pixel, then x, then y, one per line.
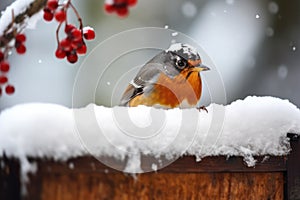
pixel 246 150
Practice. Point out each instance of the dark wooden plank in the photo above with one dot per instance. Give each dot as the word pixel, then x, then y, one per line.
pixel 186 164
pixel 9 179
pixel 293 169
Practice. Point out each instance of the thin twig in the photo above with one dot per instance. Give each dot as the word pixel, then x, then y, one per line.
pixel 57 33
pixel 77 15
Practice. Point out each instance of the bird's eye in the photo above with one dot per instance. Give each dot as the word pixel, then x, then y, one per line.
pixel 181 63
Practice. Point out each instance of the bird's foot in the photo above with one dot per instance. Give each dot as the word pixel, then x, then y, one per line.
pixel 202 108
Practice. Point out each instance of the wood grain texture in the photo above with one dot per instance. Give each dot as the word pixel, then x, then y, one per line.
pixel 162 186
pixel 212 178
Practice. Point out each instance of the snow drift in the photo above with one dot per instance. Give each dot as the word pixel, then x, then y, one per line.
pixel 249 127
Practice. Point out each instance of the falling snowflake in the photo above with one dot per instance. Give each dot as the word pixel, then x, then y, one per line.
pixel 230 2
pixel 269 32
pixel 282 72
pixel 189 9
pixel 174 34
pixel 273 7
pixel 71 166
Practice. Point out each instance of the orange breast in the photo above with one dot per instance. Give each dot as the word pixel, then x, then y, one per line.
pixel 171 93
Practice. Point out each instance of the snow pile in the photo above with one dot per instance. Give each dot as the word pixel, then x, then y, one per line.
pixel 187 49
pixel 39 130
pixel 253 126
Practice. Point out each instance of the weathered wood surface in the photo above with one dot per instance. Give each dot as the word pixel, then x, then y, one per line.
pixel 161 186
pixel 212 178
pixel 183 179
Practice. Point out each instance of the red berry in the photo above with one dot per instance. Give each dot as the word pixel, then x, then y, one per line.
pixel 52 4
pixel 4 66
pixel 3 79
pixel 60 54
pixel 1 56
pixel 60 16
pixel 109 8
pixel 21 49
pixel 82 49
pixel 9 89
pixel 76 34
pixel 89 33
pixel 131 2
pixel 65 44
pixel 122 11
pixel 48 15
pixel 77 44
pixel 20 38
pixel 69 28
pixel 72 58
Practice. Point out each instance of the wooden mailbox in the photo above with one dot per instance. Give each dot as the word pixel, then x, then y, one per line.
pixel 212 178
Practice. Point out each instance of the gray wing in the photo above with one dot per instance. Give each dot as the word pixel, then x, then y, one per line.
pixel 143 82
pixel 147 76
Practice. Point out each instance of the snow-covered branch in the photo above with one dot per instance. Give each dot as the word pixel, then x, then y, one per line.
pixel 16 16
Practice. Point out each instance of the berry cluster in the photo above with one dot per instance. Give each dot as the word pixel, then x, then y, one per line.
pixel 19 45
pixel 51 10
pixel 4 68
pixel 73 44
pixel 119 6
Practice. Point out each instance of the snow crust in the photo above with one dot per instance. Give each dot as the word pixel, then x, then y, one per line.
pixel 249 127
pixel 17 7
pixel 179 46
pixel 109 2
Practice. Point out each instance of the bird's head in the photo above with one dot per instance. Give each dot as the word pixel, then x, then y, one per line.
pixel 185 57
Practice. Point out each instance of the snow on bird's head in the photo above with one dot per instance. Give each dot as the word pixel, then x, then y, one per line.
pixel 185 51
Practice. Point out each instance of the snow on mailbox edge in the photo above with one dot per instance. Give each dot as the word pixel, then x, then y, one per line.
pixel 249 127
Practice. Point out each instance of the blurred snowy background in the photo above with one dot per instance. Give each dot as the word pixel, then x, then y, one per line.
pixel 254 45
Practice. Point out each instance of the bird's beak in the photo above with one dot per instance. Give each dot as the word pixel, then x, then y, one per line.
pixel 197 66
pixel 201 68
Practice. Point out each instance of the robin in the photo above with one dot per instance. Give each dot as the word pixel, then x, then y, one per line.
pixel 171 79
